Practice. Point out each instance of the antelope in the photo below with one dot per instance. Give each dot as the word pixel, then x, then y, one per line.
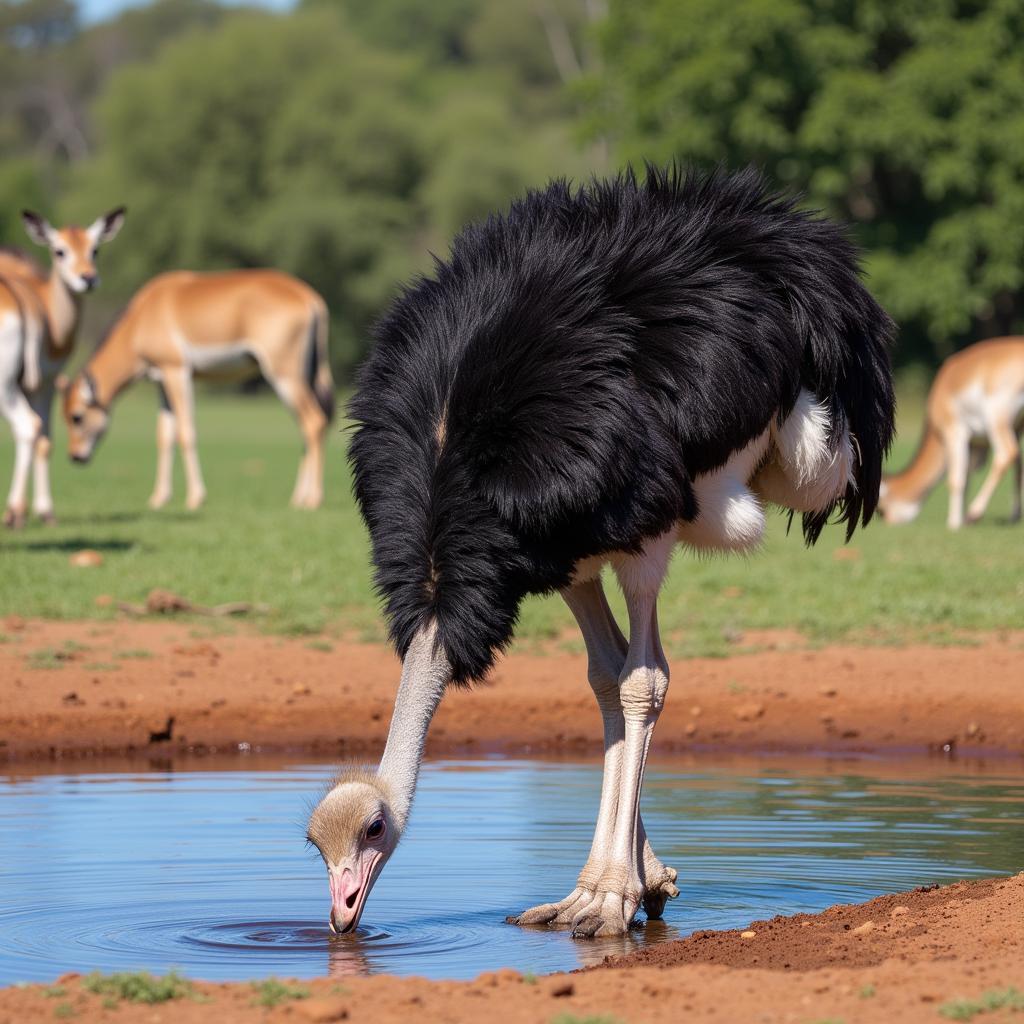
pixel 977 396
pixel 182 325
pixel 39 317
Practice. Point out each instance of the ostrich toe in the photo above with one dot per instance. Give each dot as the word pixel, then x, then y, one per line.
pixel 564 912
pixel 609 913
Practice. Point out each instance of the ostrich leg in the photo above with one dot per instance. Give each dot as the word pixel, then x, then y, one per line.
pixel 606 652
pixel 643 683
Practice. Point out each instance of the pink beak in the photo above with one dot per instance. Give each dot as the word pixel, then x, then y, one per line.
pixel 350 886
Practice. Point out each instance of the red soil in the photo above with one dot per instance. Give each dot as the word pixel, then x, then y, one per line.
pixel 274 693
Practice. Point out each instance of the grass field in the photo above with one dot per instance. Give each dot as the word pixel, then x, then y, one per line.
pixel 311 569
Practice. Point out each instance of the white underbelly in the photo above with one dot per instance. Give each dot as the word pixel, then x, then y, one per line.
pixel 228 361
pixel 795 466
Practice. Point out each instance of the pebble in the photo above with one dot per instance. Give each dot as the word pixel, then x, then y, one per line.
pixel 559 988
pixel 748 935
pixel 973 728
pixel 690 729
pixel 900 911
pixel 87 558
pixel 748 712
pixel 863 929
pixel 827 691
pixel 323 1009
pixel 301 690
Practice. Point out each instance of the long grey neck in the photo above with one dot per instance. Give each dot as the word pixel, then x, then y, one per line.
pixel 425 674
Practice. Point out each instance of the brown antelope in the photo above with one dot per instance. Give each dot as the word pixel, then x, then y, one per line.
pixel 39 316
pixel 977 395
pixel 182 325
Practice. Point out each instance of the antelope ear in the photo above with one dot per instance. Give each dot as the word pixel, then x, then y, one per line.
pixel 62 382
pixel 37 228
pixel 104 228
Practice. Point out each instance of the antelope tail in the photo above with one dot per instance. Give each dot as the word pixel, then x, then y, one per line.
pixel 319 363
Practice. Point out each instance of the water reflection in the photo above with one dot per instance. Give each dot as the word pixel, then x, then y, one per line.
pixel 201 866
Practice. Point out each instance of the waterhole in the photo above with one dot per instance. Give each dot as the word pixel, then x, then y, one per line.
pixel 201 867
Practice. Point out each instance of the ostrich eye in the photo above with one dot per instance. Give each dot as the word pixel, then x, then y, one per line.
pixel 76 418
pixel 375 829
pixel 60 253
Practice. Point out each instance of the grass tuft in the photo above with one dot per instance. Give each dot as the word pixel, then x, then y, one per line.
pixel 64 1010
pixel 273 992
pixel 987 1002
pixel 569 1018
pixel 55 992
pixel 140 987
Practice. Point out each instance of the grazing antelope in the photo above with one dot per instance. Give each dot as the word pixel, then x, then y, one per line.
pixel 39 316
pixel 182 325
pixel 978 394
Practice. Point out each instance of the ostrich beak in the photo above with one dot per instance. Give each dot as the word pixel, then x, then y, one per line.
pixel 351 883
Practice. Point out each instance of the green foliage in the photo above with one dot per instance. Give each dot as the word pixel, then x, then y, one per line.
pixel 571 1018
pixel 905 117
pixel 967 1009
pixel 273 992
pixel 140 987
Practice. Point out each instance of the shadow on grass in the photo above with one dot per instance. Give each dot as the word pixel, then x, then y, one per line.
pixel 76 544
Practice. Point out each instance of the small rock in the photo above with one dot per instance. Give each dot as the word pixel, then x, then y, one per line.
pixel 87 558
pixel 899 911
pixel 696 711
pixel 559 988
pixel 690 729
pixel 748 935
pixel 863 929
pixel 301 690
pixel 827 691
pixel 323 1009
pixel 749 712
pixel 72 698
pixel 973 729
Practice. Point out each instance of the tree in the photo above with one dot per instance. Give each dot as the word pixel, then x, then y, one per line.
pixel 290 141
pixel 905 117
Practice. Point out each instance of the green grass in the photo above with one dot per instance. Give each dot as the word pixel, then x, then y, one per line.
pixel 273 992
pixel 569 1018
pixel 312 569
pixel 988 1002
pixel 63 1011
pixel 140 987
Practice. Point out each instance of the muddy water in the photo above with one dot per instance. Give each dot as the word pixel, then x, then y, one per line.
pixel 203 868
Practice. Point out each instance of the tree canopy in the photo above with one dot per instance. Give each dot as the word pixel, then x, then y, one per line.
pixel 345 141
pixel 905 117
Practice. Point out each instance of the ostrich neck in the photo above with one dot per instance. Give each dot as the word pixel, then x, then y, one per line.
pixel 425 674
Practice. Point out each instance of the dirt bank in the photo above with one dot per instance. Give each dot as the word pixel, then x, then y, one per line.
pixel 904 958
pixel 73 688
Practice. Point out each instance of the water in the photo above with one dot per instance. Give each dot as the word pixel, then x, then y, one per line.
pixel 205 870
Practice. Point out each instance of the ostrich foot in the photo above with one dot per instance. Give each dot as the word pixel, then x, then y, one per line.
pixel 659 888
pixel 610 912
pixel 582 908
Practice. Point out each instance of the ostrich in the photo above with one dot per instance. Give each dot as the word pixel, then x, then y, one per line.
pixel 597 376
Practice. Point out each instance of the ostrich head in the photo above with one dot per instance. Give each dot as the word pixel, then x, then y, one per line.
pixel 356 831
